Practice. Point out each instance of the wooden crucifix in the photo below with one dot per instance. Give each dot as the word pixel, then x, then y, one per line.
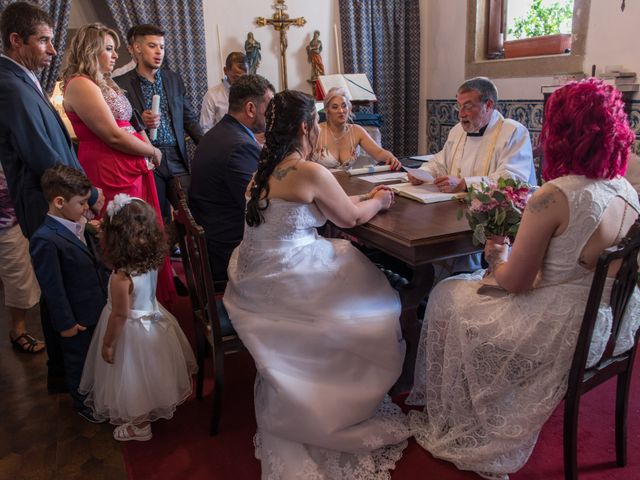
pixel 281 23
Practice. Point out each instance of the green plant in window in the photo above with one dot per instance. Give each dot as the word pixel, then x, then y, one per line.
pixel 541 20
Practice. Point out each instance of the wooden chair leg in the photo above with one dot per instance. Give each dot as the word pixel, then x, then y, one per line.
pixel 200 356
pixel 622 406
pixel 571 411
pixel 218 389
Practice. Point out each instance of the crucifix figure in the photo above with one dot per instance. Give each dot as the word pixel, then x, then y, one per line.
pixel 281 23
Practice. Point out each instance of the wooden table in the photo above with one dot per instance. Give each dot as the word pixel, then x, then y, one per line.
pixel 418 235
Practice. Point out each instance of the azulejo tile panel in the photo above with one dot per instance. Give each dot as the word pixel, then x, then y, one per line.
pixel 442 116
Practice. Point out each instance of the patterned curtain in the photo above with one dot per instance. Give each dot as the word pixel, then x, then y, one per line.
pixel 183 23
pixel 382 39
pixel 59 11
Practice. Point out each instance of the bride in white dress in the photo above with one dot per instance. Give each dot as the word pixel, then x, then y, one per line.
pixel 492 366
pixel 320 320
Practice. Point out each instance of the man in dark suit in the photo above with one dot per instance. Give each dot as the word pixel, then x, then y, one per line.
pixel 223 164
pixel 32 135
pixel 175 116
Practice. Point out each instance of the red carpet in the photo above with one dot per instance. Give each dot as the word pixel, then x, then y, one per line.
pixel 182 449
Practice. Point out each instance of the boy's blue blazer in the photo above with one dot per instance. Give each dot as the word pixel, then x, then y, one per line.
pixel 72 280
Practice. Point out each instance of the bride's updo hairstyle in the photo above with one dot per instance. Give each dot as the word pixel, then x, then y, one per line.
pixel 585 132
pixel 286 111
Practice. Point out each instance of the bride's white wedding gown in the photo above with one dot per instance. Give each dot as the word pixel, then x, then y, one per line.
pixel 322 324
pixel 492 368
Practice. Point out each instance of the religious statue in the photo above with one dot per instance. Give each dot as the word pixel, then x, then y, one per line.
pixel 252 50
pixel 314 49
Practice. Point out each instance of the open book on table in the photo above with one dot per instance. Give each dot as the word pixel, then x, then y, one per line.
pixel 424 193
pixel 357 84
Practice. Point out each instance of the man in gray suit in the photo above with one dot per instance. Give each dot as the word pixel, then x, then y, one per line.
pixel 175 116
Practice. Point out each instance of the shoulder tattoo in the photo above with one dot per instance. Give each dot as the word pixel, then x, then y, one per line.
pixel 541 202
pixel 279 173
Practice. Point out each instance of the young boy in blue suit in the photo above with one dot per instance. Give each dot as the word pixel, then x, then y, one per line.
pixel 72 280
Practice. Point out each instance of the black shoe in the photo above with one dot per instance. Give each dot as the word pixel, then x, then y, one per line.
pixel 87 414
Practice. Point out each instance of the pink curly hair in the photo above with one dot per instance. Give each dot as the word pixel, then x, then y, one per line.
pixel 585 132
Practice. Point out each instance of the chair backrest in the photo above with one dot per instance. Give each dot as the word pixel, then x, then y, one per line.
pixel 623 286
pixel 197 268
pixel 175 193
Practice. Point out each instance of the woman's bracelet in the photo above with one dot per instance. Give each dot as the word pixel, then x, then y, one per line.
pixel 364 197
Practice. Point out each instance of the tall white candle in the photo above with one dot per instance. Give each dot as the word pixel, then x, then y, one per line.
pixel 335 34
pixel 220 50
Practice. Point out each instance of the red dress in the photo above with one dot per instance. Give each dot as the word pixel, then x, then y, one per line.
pixel 117 172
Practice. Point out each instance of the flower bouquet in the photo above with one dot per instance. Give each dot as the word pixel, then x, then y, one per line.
pixel 495 209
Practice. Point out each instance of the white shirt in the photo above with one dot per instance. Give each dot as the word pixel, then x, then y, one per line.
pixel 511 158
pixel 77 228
pixel 215 105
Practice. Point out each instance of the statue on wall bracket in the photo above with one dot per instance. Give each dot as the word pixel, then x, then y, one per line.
pixel 252 51
pixel 314 49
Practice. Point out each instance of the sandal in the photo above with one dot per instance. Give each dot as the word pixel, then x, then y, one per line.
pixel 129 431
pixel 26 343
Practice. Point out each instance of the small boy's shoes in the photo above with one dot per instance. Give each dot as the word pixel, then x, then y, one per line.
pixel 129 431
pixel 87 414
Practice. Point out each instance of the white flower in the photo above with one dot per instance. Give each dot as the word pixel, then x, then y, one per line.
pixel 119 201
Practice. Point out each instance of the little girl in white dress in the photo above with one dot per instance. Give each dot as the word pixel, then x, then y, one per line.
pixel 139 364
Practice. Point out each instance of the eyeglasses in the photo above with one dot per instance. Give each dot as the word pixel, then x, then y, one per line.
pixel 467 107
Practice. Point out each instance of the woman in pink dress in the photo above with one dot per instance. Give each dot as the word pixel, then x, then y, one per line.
pixel 114 156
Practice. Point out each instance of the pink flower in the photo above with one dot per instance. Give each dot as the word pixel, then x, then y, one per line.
pixel 476 205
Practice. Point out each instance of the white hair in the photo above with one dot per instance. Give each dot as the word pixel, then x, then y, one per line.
pixel 337 92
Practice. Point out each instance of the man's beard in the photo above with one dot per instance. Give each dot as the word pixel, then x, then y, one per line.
pixel 150 65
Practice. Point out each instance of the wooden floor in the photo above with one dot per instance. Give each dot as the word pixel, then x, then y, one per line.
pixel 41 435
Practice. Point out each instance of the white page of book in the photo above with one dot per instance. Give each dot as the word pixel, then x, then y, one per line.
pixel 332 81
pixel 359 87
pixel 425 193
pixel 385 177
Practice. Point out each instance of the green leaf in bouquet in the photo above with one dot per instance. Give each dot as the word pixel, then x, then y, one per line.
pixel 513 215
pixel 501 215
pixel 499 196
pixel 484 198
pixel 479 235
pixel 482 217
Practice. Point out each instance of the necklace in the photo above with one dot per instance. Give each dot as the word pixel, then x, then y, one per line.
pixel 336 138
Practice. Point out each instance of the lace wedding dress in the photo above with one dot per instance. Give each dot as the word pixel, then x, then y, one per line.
pixel 492 367
pixel 321 323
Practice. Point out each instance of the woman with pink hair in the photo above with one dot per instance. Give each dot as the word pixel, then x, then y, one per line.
pixel 492 366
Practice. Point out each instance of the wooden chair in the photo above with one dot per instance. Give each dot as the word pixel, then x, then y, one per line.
pixel 211 321
pixel 581 379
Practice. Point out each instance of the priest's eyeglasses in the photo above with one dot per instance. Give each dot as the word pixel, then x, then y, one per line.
pixel 466 107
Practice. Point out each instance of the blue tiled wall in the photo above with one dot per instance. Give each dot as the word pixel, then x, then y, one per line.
pixel 441 117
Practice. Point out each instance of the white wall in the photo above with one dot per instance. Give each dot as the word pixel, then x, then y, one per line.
pixel 235 18
pixel 611 40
